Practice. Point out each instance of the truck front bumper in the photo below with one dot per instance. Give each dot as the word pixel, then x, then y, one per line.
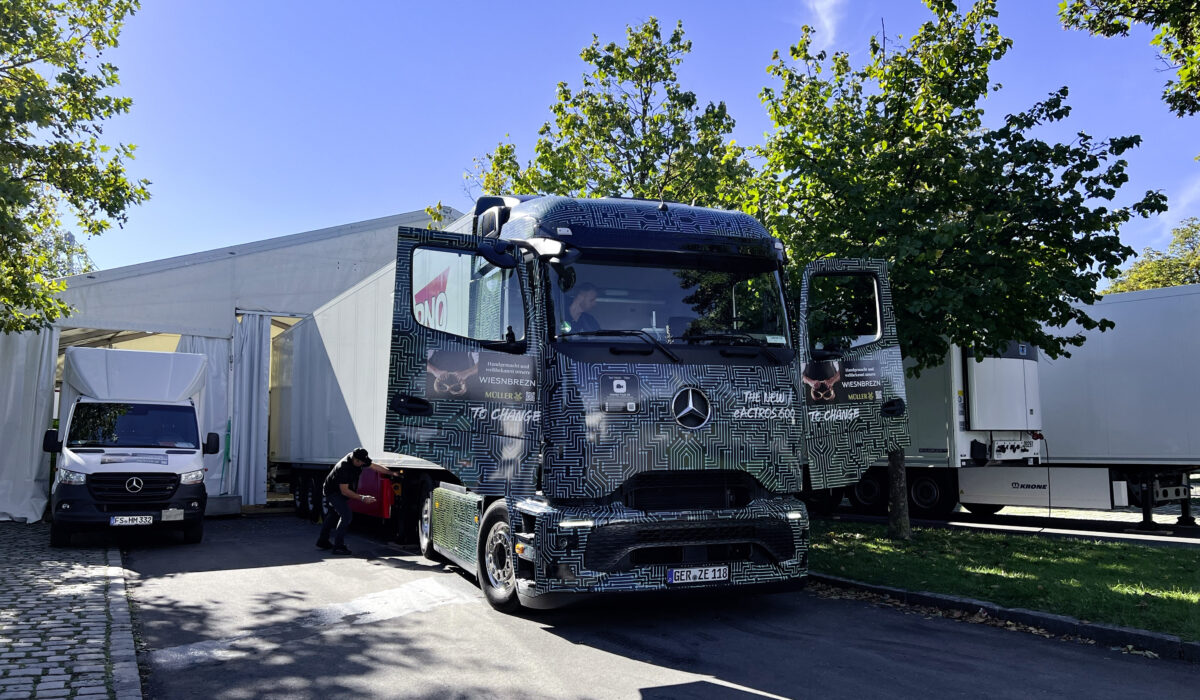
pixel 613 549
pixel 75 505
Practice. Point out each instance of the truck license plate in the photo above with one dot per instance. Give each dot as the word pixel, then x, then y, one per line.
pixel 131 520
pixel 699 574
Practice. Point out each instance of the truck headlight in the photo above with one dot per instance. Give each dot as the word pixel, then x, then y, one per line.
pixel 193 477
pixel 66 476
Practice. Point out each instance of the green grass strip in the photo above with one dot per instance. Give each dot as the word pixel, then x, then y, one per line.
pixel 1151 588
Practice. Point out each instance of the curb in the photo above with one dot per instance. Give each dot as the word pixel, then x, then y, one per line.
pixel 1166 646
pixel 122 656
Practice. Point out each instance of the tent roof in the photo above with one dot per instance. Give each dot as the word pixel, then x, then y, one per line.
pixel 200 293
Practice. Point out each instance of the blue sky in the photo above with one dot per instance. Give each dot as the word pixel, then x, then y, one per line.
pixel 260 118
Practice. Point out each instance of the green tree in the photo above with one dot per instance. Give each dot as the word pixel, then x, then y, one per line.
pixel 1180 264
pixel 990 233
pixel 54 89
pixel 1177 40
pixel 628 130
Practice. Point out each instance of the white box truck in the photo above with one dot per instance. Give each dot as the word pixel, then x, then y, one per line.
pixel 128 445
pixel 1114 423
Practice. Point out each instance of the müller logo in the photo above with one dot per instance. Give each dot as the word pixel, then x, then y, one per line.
pixel 1036 487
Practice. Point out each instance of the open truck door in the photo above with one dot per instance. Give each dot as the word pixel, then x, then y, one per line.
pixel 462 391
pixel 851 373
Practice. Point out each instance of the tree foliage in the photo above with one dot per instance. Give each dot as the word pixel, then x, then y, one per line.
pixel 628 130
pixel 990 233
pixel 1177 39
pixel 1180 264
pixel 54 90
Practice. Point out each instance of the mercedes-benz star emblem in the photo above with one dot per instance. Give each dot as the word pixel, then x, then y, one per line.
pixel 133 484
pixel 691 408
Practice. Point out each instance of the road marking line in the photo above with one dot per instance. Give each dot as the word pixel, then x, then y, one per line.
pixel 413 597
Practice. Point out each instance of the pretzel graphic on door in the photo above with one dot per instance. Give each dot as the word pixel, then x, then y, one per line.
pixel 450 372
pixel 820 378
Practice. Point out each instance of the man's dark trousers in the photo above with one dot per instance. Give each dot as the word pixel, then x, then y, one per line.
pixel 337 509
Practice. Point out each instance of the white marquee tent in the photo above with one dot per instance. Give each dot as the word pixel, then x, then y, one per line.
pixel 219 303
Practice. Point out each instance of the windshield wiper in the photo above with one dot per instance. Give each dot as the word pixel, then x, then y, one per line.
pixel 630 333
pixel 733 335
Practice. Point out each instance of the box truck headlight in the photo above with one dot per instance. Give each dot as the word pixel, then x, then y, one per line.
pixel 192 477
pixel 66 476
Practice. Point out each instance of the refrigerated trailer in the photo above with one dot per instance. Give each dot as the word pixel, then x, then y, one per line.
pixel 1114 423
pixel 608 395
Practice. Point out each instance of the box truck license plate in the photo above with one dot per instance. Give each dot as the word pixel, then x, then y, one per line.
pixel 131 520
pixel 699 574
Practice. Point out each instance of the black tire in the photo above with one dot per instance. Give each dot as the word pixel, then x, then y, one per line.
pixel 193 533
pixel 496 565
pixel 982 508
pixel 870 495
pixel 60 534
pixel 930 494
pixel 825 501
pixel 425 521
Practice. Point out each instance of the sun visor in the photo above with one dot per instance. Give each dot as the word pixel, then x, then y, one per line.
pixel 126 375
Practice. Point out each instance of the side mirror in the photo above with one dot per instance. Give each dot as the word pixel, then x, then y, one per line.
pixel 500 253
pixel 50 441
pixel 212 444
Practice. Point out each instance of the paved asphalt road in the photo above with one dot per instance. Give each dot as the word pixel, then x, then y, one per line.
pixel 257 612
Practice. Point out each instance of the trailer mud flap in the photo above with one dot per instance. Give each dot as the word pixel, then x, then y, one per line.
pixel 851 373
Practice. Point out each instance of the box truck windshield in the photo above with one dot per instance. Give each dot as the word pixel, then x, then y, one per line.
pixel 690 301
pixel 133 425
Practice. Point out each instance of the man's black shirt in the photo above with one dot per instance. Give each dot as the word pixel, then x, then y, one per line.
pixel 344 472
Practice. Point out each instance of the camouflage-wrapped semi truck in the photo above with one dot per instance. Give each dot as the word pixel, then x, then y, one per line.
pixel 623 395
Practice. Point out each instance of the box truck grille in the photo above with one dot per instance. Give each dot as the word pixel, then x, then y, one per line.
pixel 621 546
pixel 690 490
pixel 116 487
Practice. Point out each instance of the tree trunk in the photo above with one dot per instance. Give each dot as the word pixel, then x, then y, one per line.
pixel 898 526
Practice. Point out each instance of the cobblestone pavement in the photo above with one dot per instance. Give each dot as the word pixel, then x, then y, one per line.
pixel 65 629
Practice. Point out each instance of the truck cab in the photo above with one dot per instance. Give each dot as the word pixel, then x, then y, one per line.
pixel 128 450
pixel 623 398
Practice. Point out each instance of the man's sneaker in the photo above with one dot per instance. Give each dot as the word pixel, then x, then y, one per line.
pixel 341 549
pixel 324 544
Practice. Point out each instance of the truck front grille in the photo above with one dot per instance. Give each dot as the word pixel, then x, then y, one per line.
pixel 690 490
pixel 120 487
pixel 622 546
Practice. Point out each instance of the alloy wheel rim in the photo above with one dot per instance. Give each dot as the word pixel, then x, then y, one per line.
pixel 496 558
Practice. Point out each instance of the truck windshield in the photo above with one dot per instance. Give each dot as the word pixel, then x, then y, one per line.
pixel 133 425
pixel 714 304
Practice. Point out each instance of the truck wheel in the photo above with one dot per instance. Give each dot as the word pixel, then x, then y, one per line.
pixel 193 532
pixel 870 494
pixel 983 508
pixel 497 575
pixel 60 534
pixel 929 494
pixel 425 522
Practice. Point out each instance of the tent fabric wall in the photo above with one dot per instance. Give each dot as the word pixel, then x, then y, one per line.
pixel 26 405
pixel 251 364
pixel 214 414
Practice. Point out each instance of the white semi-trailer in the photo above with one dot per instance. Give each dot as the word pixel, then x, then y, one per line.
pixel 1098 430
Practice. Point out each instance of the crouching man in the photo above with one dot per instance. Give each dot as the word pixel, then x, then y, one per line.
pixel 339 489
